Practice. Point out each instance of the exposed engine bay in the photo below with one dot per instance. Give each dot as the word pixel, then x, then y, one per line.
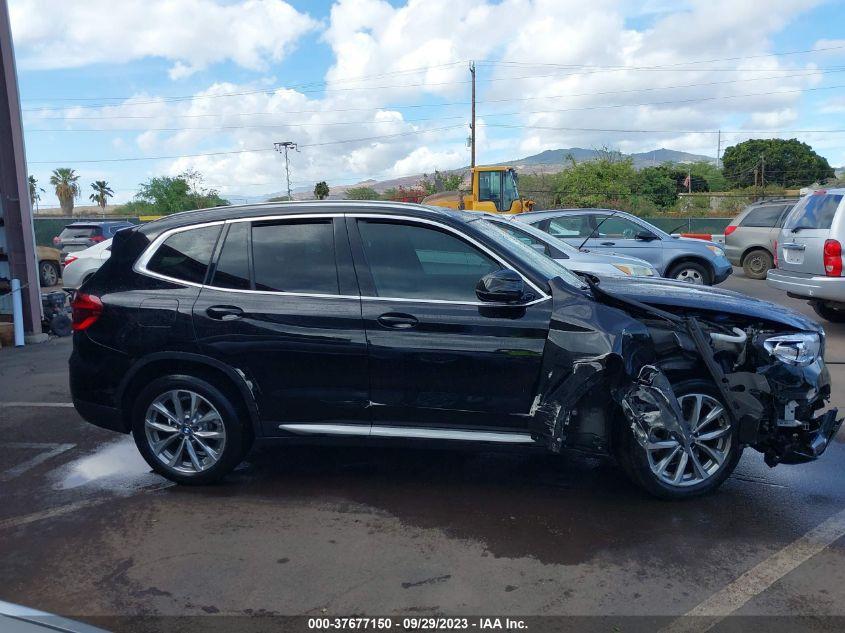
pixel 771 379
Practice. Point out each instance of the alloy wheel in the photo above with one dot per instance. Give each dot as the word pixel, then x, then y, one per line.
pixel 691 276
pixel 185 431
pixel 676 463
pixel 49 275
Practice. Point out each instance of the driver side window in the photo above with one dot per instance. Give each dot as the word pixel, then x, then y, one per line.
pixel 409 261
pixel 618 228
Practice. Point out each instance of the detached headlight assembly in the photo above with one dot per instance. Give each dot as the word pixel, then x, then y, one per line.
pixel 800 349
pixel 718 252
pixel 634 271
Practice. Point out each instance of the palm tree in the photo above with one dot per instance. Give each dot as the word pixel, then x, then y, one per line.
pixel 102 191
pixel 34 191
pixel 65 181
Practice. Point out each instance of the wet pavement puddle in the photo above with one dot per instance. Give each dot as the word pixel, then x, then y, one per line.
pixel 117 466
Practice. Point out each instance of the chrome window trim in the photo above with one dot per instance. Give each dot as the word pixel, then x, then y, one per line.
pixel 141 265
pixel 420 433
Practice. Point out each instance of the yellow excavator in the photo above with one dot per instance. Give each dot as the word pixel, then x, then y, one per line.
pixel 494 189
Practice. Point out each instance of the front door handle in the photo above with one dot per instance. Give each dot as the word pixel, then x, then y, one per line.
pixel 224 313
pixel 397 321
pixel 608 243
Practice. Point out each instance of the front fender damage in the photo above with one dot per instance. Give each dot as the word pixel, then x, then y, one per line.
pixel 605 372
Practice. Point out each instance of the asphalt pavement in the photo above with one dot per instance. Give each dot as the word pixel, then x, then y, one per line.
pixel 86 530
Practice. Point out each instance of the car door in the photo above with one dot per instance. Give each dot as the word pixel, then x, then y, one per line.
pixel 805 231
pixel 282 306
pixel 621 235
pixel 438 357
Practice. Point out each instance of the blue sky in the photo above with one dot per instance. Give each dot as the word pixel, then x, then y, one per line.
pixel 372 89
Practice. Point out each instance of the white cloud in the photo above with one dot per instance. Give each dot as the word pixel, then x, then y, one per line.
pixel 193 34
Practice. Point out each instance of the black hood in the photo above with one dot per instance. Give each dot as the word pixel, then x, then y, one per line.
pixel 671 294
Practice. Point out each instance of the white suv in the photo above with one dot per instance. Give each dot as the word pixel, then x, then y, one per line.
pixel 809 253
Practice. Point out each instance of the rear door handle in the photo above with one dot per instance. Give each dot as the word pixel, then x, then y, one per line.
pixel 794 246
pixel 224 313
pixel 397 321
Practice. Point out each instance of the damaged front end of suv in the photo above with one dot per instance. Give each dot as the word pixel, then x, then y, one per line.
pixel 675 381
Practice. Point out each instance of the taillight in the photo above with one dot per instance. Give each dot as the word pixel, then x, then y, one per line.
pixel 832 258
pixel 775 256
pixel 86 310
pixel 70 259
pixel 730 229
pixel 96 239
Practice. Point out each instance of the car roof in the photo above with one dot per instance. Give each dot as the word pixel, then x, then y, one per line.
pixel 378 207
pixel 96 223
pixel 572 211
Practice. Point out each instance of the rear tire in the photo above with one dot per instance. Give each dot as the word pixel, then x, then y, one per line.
pixel 643 466
pixel 757 263
pixel 828 312
pixel 202 445
pixel 692 273
pixel 48 274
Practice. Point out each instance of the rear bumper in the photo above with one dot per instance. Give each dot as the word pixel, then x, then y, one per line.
pixel 808 286
pixel 100 415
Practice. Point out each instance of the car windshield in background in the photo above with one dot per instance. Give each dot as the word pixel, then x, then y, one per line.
pixel 546 265
pixel 72 232
pixel 814 212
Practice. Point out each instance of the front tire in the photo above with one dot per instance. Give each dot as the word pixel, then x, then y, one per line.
pixel 667 469
pixel 827 312
pixel 757 263
pixel 691 273
pixel 187 430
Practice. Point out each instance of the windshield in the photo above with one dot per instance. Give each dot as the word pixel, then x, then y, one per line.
pixel 548 267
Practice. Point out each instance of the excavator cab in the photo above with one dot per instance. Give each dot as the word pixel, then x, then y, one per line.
pixel 494 189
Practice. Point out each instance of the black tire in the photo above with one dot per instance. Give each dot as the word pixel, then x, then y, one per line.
pixel 689 270
pixel 235 434
pixel 827 312
pixel 634 459
pixel 757 263
pixel 48 274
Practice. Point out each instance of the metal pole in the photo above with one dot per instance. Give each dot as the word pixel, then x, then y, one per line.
pixel 718 147
pixel 17 312
pixel 472 125
pixel 285 146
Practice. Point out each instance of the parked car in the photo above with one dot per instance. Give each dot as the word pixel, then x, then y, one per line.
pixel 80 235
pixel 80 265
pixel 49 265
pixel 208 330
pixel 605 230
pixel 569 256
pixel 750 237
pixel 809 251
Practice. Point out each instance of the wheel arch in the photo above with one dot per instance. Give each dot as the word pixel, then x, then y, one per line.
pixel 750 249
pixel 690 259
pixel 223 376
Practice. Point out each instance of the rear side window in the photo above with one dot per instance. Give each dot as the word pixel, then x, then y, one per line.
pixel 764 217
pixel 414 262
pixel 185 255
pixel 574 226
pixel 232 269
pixel 813 212
pixel 295 257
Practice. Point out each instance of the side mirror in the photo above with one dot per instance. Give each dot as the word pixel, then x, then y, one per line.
pixel 645 236
pixel 501 286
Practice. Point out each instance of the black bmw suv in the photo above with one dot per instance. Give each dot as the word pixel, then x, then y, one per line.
pixel 208 330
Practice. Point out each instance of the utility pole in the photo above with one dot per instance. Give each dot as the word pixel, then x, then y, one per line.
pixel 284 146
pixel 718 147
pixel 763 172
pixel 472 124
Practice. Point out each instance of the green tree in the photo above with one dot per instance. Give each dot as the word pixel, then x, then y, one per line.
pixel 321 190
pixel 34 191
pixel 657 185
pixel 607 181
pixel 789 163
pixel 65 181
pixel 165 194
pixel 102 192
pixel 441 181
pixel 362 193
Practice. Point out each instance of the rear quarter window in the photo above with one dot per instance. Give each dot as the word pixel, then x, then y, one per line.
pixel 763 217
pixel 185 255
pixel 814 212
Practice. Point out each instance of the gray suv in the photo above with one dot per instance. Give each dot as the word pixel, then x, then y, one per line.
pixel 809 253
pixel 750 236
pixel 606 231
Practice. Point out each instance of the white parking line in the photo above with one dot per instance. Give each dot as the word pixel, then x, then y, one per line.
pixel 48 450
pixel 759 578
pixel 59 405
